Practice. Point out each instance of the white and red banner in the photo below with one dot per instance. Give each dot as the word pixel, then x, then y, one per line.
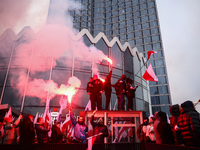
pixel 149 74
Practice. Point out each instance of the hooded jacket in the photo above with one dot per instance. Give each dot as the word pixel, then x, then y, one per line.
pixel 79 130
pixel 97 128
pixel 189 124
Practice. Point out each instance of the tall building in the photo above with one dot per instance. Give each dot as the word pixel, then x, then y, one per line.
pixel 135 22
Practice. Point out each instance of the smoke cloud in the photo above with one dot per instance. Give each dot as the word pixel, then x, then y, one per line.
pixel 43 49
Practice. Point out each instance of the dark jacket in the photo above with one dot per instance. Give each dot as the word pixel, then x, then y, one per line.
pixel 164 129
pixel 79 130
pixel 89 87
pixel 189 124
pixel 97 128
pixel 107 84
pixel 26 131
pixel 120 86
pixel 56 135
pixel 41 132
pixel 175 112
pixel 97 86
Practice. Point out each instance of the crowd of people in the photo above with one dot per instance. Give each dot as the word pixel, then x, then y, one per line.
pixel 123 88
pixel 182 129
pixel 24 131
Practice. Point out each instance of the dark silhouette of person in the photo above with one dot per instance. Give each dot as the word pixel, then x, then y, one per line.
pixel 108 89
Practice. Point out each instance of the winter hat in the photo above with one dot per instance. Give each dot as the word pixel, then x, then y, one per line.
pixel 188 104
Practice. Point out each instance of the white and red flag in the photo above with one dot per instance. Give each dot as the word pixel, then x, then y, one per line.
pixel 46 108
pixel 149 74
pixel 149 54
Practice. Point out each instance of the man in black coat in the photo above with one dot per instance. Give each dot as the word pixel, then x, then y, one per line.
pixel 108 89
pixel 26 130
pixel 96 93
pixel 120 88
pixel 56 134
pixel 41 130
pixel 99 129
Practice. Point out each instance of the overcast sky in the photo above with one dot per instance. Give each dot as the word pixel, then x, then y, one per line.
pixel 180 30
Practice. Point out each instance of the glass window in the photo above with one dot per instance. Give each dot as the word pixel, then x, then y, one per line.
pixel 151 10
pixel 131 35
pixel 115 32
pixel 156 46
pixel 129 16
pixel 136 14
pixel 132 42
pixel 122 17
pixel 152 17
pixel 129 22
pixel 140 48
pixel 159 54
pixel 146 32
pixel 128 3
pixel 165 109
pixel 148 47
pixel 145 19
pixel 154 24
pixel 129 29
pixel 123 37
pixel 144 12
pixel 154 90
pixel 115 25
pixel 154 31
pixel 138 41
pixel 122 23
pixel 128 9
pixel 150 4
pixel 145 25
pixel 116 54
pixel 152 62
pixel 122 30
pixel 121 5
pixel 164 99
pixel 155 100
pixel 138 27
pixel 163 89
pixel 136 20
pixel 143 6
pixel 138 34
pixel 136 8
pixel 160 71
pixel 162 80
pixel 156 38
pixel 147 40
pixel 159 62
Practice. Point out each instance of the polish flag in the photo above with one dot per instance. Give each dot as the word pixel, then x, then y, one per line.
pixel 149 74
pixel 149 54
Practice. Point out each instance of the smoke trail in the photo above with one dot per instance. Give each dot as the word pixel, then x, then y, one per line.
pixel 44 49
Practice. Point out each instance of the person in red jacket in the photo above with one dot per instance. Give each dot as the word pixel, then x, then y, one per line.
pixel 189 124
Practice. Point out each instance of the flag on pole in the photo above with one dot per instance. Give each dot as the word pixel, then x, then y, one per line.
pixel 46 108
pixel 35 119
pixel 149 54
pixel 149 74
pixel 88 106
pixel 9 113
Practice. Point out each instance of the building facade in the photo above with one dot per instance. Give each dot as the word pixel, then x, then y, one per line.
pixel 135 22
pixel 19 68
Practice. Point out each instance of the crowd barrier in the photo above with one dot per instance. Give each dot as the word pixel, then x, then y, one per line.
pixel 108 146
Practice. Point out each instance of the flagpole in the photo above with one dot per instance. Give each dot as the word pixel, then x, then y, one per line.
pixel 94 136
pixel 196 103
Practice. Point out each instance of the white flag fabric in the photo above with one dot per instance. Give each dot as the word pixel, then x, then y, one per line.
pixel 35 119
pixel 88 106
pixel 46 108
